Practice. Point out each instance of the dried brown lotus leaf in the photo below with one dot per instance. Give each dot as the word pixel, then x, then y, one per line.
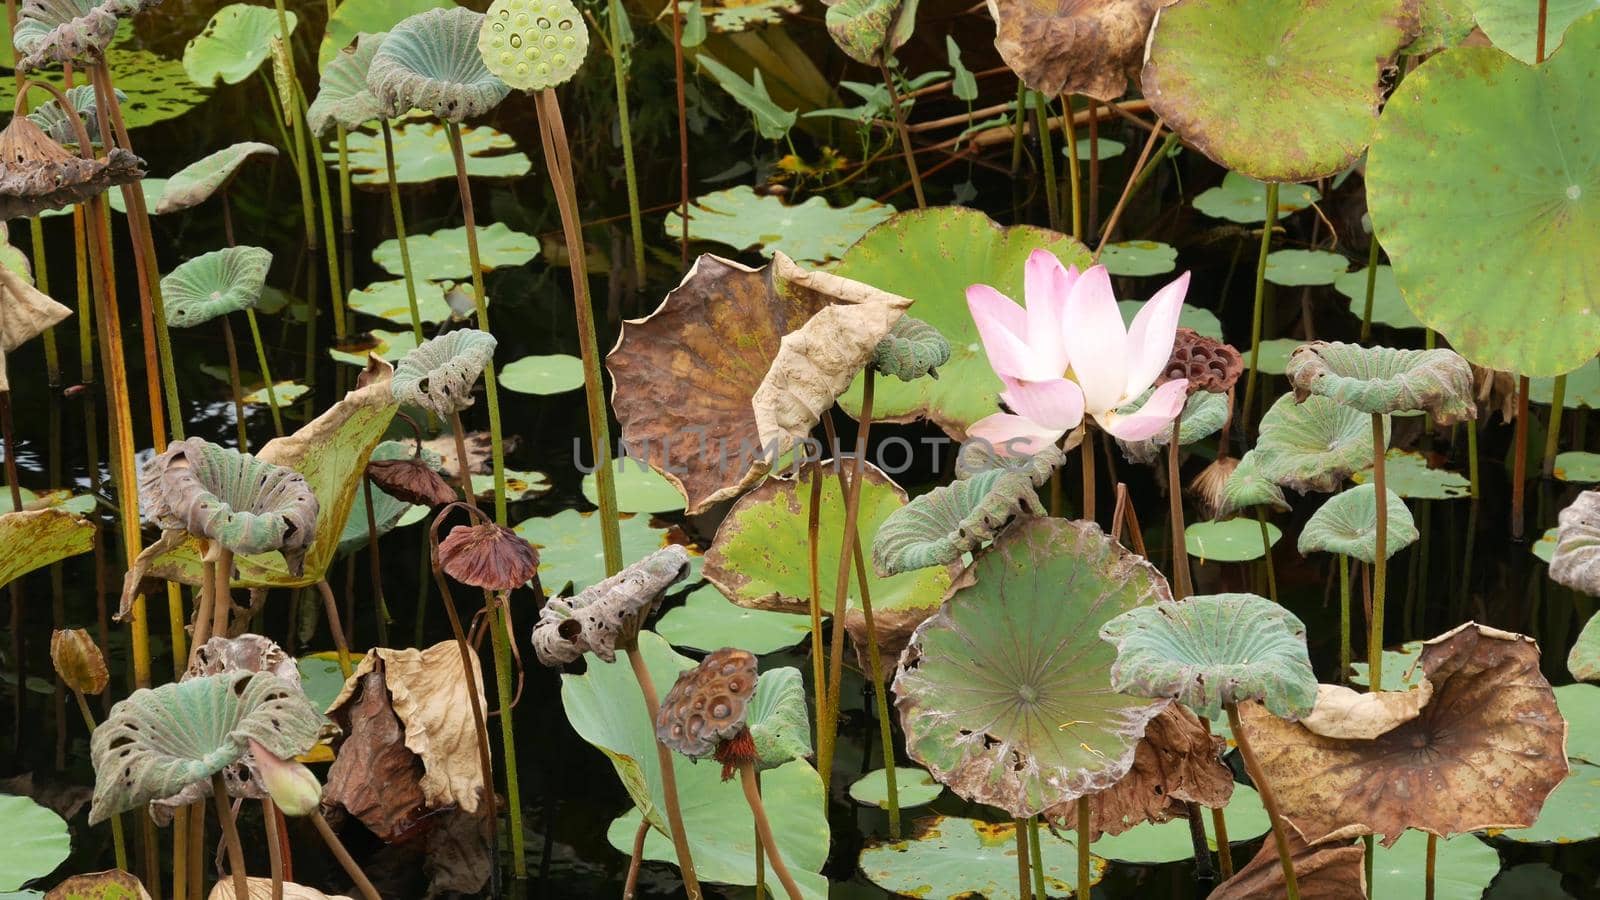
pixel 429 693
pixel 411 480
pixel 1364 715
pixel 37 174
pixel 374 777
pixel 261 889
pixel 25 313
pixel 708 703
pixel 1334 870
pixel 112 884
pixel 1485 751
pixel 1056 47
pixel 736 365
pixel 608 615
pixel 78 660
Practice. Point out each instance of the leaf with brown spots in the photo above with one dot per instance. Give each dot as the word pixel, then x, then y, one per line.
pixel 1092 47
pixel 1327 871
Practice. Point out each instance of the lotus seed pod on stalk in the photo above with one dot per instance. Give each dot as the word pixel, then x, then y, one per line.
pixel 533 45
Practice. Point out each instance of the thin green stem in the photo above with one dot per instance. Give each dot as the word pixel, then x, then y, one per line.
pixel 1085 882
pixel 1041 118
pixel 266 371
pixel 1086 458
pixel 1344 618
pixel 819 656
pixel 1472 457
pixel 398 214
pixel 301 162
pixel 1552 434
pixel 1380 565
pixel 899 116
pixel 330 247
pixel 1372 287
pixel 1269 799
pixel 1024 883
pixel 1519 461
pixel 1036 857
pixel 234 383
pixel 500 636
pixel 117 840
pixel 1266 553
pixel 1074 177
pixel 347 225
pixel 1260 303
pixel 619 68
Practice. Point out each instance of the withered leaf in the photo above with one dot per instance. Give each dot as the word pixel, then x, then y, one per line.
pixel 1334 870
pixel 1091 47
pixel 374 777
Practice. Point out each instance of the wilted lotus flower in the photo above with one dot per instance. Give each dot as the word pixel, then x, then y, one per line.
pixel 489 556
pixel 1066 353
pixel 78 660
pixel 36 173
pixel 292 786
pixel 411 480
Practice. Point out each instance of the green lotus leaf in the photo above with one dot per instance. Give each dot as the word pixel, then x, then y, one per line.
pixel 1249 485
pixel 49 116
pixel 1578 466
pixel 353 17
pixel 606 709
pixel 51 32
pixel 1274 355
pixel 1280 90
pixel 1212 651
pixel 544 375
pixel 1583 388
pixel 1298 268
pixel 569 546
pixel 938 527
pixel 759 560
pixel 1441 24
pixel 1230 541
pixel 422 154
pixel 778 718
pixel 813 231
pixel 1164 842
pixel 385 345
pixel 36 538
pixel 1514 27
pixel 913 787
pixel 37 842
pixel 1138 258
pixel 1408 474
pixel 934 255
pixel 155 88
pixel 234 44
pixel 869 31
pixel 533 45
pixel 1463 866
pixel 1388 306
pixel 951 857
pixel 161 740
pixel 430 61
pixel 1583 660
pixel 707 621
pixel 439 375
pixel 1347 523
pixel 389 300
pixel 1529 150
pixel 1204 414
pixel 1243 199
pixel 1579 704
pixel 1005 693
pixel 1576 563
pixel 215 284
pixel 1383 380
pixel 442 254
pixel 1314 445
pixel 640 489
pixel 342 95
pixel 198 181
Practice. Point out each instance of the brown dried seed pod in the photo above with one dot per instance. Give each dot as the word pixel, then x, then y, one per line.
pixel 610 614
pixel 36 173
pixel 489 556
pixel 410 480
pixel 78 660
pixel 1209 364
pixel 708 703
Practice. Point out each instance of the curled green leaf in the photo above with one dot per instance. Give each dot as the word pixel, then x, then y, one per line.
pixel 948 521
pixel 431 61
pixel 1383 380
pixel 215 284
pixel 1348 523
pixel 439 374
pixel 910 350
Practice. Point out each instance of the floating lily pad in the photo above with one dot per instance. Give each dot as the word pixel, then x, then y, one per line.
pixel 1202 320
pixel 1274 355
pixel 1514 27
pixel 1133 258
pixel 1400 672
pixel 913 787
pixel 1583 388
pixel 1388 306
pixel 934 255
pixel 33 539
pixel 320 677
pixel 544 375
pixel 1580 706
pixel 1583 661
pixel 519 485
pixel 422 154
pixel 639 489
pixel 388 345
pixel 1109 149
pixel 1286 90
pixel 812 231
pixel 373 16
pixel 443 254
pixel 1578 466
pixel 1347 523
pixel 388 300
pixel 1297 268
pixel 38 841
pixel 57 498
pixel 569 546
pixel 745 15
pixel 1166 842
pixel 1407 473
pixel 708 621
pixel 947 858
pixel 1229 541
pixel 157 88
pixel 1464 866
pixel 1518 200
pixel 1571 813
pixel 234 44
pixel 1243 199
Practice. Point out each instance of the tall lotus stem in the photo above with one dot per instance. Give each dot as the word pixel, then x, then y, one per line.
pixel 1519 462
pixel 117 839
pixel 1024 884
pixel 819 657
pixel 1085 885
pixel 375 562
pixel 1372 287
pixel 1266 554
pixel 1219 823
pixel 1269 798
pixel 683 131
pixel 558 158
pixel 899 116
pixel 399 217
pixel 336 847
pixel 752 795
pixel 1552 435
pixel 619 70
pixel 1260 302
pixel 463 464
pixel 1086 457
pixel 1380 564
pixel 19 658
pixel 1073 174
pixel 852 509
pixel 222 596
pixel 301 163
pixel 1052 199
pixel 235 385
pixel 269 815
pixel 1183 584
pixel 1036 857
pixel 330 248
pixel 230 834
pixel 1019 115
pixel 630 887
pixel 1344 618
pixel 330 608
pixel 255 330
pixel 347 224
pixel 669 777
pixel 491 389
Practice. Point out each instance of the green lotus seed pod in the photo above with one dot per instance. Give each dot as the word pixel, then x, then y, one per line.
pixel 533 44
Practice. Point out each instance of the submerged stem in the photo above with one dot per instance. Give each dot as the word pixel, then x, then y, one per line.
pixel 1269 799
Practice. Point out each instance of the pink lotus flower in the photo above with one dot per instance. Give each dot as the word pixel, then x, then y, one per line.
pixel 1066 354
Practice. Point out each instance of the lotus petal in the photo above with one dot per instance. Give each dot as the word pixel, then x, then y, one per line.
pixel 1314 444
pixel 1074 47
pixel 1484 752
pixel 1204 414
pixel 431 61
pixel 1212 651
pixel 938 527
pixel 1005 693
pixel 1383 380
pixel 342 96
pixel 1576 562
pixel 610 614
pixel 1348 523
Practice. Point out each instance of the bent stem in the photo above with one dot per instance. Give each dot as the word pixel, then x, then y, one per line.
pixel 1269 799
pixel 631 887
pixel 330 608
pixel 752 795
pixel 399 217
pixel 1183 583
pixel 117 839
pixel 669 778
pixel 336 847
pixel 899 116
pixel 1380 565
pixel 1260 302
pixel 238 388
pixel 230 833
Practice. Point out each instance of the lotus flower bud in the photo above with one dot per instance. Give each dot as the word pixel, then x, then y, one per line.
pixel 291 785
pixel 78 661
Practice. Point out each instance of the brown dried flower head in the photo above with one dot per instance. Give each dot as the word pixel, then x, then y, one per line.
pixel 78 661
pixel 411 480
pixel 489 556
pixel 36 173
pixel 708 703
pixel 1209 364
pixel 610 614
